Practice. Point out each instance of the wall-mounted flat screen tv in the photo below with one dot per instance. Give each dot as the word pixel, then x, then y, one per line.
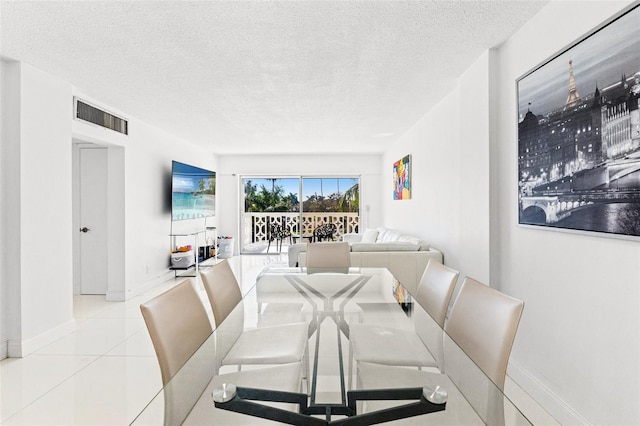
pixel 193 192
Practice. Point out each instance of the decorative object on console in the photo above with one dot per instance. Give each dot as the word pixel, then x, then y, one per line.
pixel 182 259
pixel 225 247
pixel 579 134
pixel 402 178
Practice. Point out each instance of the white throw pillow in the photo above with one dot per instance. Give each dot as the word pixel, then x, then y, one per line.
pixel 381 232
pixel 369 235
pixel 391 236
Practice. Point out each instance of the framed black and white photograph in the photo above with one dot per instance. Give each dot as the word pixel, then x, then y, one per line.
pixel 579 134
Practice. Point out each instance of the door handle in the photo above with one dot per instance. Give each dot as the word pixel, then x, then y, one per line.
pixel 85 229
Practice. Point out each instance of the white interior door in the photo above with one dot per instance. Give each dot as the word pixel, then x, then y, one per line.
pixel 93 221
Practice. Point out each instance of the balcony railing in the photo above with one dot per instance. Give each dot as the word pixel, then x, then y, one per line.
pixel 255 225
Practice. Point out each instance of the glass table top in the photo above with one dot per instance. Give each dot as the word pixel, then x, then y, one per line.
pixel 332 304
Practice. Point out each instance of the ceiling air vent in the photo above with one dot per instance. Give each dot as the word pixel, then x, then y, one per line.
pixel 101 118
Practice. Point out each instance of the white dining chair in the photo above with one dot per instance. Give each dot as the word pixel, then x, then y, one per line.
pixel 178 324
pixel 328 257
pixel 277 344
pixel 419 345
pixel 483 322
pixel 480 332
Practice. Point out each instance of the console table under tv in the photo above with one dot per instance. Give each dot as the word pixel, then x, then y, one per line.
pixel 194 237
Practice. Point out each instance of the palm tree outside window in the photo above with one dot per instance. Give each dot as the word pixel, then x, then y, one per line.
pixel 278 200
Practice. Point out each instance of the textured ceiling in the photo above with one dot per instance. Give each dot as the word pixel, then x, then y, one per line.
pixel 263 76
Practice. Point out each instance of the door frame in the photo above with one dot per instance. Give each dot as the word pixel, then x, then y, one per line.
pixel 116 290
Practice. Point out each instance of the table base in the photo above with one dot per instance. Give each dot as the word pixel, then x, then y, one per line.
pixel 243 403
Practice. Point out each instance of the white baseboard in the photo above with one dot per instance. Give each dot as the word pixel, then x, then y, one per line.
pixel 19 349
pixel 150 284
pixel 4 350
pixel 115 296
pixel 544 396
pixel 121 296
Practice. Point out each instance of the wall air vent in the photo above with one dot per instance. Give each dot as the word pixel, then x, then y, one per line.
pixel 89 113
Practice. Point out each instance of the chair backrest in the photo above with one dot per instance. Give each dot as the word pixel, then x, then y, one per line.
pixel 433 295
pixel 178 324
pixel 278 231
pixel 222 289
pixel 435 289
pixel 325 231
pixel 483 322
pixel 328 257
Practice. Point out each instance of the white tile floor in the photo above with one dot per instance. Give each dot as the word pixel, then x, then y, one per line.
pixel 105 372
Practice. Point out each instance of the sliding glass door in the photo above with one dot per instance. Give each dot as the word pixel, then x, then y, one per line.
pixel 279 211
pixel 330 208
pixel 270 213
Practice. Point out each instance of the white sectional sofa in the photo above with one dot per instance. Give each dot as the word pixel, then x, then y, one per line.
pixel 404 255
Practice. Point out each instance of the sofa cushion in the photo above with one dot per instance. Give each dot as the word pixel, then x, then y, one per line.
pixel 391 246
pixel 414 240
pixel 351 237
pixel 409 239
pixel 389 235
pixel 369 235
pixel 381 232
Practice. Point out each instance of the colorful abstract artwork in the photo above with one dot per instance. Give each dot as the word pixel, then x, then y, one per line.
pixel 402 178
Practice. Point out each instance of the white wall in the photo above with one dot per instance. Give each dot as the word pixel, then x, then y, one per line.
pixel 432 213
pixel 145 180
pixel 449 205
pixel 37 186
pixel 475 135
pixel 578 344
pixel 38 208
pixel 231 167
pixel 9 196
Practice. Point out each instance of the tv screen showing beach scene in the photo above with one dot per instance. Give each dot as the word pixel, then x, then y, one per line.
pixel 193 192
